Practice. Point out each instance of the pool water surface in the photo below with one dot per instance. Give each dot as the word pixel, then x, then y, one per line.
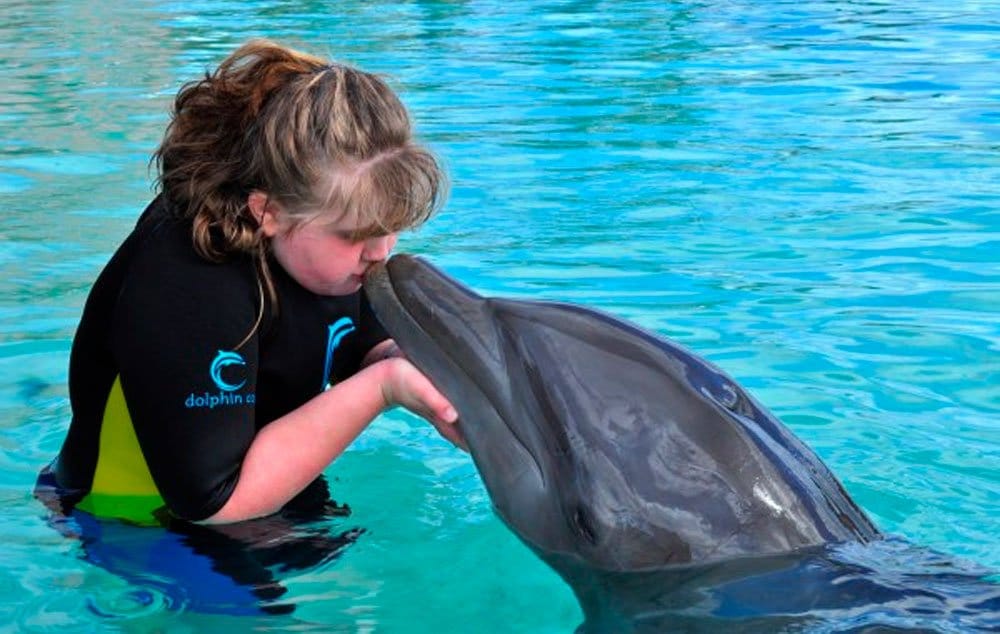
pixel 805 193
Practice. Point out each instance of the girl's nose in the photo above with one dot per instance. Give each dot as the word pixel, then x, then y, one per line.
pixel 378 248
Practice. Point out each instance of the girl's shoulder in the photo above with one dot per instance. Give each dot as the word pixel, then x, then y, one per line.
pixel 160 259
pixel 165 238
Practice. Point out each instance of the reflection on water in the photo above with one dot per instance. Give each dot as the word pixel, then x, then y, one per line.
pixel 803 192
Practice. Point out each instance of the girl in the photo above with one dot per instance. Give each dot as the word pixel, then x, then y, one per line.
pixel 226 354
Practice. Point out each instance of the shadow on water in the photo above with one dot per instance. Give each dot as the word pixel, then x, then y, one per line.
pixel 886 586
pixel 235 569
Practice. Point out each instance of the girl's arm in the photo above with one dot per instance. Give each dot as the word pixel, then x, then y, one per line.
pixel 388 349
pixel 290 452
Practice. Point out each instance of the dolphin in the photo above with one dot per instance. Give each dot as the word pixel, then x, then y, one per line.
pixel 635 469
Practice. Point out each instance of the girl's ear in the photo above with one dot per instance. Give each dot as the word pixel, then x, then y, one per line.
pixel 264 211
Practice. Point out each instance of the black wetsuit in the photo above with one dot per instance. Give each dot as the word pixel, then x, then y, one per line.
pixel 166 400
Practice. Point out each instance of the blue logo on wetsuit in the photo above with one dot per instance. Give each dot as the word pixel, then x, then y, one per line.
pixel 227 394
pixel 335 333
pixel 223 360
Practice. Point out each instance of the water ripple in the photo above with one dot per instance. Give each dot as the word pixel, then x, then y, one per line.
pixel 803 192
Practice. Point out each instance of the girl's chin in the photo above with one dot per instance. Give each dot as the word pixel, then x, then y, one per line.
pixel 350 285
pixel 355 282
pixel 347 287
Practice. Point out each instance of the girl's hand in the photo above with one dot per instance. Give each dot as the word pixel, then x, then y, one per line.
pixel 405 385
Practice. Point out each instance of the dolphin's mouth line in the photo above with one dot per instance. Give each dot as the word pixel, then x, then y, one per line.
pixel 449 355
pixel 496 410
pixel 514 434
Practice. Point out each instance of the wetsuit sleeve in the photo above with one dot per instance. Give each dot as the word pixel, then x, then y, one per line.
pixel 188 389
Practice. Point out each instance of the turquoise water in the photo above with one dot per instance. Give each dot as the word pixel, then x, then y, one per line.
pixel 805 193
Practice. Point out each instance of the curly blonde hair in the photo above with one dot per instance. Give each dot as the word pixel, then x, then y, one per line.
pixel 317 137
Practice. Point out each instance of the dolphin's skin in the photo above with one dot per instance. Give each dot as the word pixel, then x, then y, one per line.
pixel 625 462
pixel 599 440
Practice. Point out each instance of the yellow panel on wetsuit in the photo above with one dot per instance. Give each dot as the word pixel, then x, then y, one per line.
pixel 123 487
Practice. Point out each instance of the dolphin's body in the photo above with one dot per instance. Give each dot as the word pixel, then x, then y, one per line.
pixel 638 471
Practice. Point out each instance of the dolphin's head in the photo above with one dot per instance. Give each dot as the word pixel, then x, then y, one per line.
pixel 541 451
pixel 598 443
pixel 451 334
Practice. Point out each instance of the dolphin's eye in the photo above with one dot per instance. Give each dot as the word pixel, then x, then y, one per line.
pixel 582 526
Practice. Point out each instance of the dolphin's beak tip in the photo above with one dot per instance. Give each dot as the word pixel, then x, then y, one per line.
pixel 374 269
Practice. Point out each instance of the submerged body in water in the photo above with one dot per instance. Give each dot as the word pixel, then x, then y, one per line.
pixel 233 569
pixel 661 491
pixel 887 585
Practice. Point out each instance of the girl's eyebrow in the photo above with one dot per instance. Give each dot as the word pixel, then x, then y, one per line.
pixel 371 231
pixel 359 233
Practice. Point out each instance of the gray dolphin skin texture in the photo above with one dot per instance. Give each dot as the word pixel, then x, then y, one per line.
pixel 603 446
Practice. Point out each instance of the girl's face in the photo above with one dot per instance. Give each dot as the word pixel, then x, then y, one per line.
pixel 322 256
